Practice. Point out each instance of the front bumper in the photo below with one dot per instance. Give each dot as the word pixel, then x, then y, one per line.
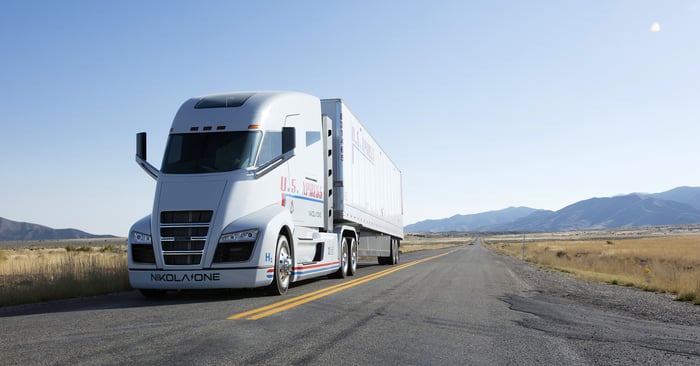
pixel 200 279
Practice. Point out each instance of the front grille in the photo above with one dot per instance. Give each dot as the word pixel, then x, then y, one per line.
pixel 180 245
pixel 233 252
pixel 142 253
pixel 183 260
pixel 185 217
pixel 183 236
pixel 184 231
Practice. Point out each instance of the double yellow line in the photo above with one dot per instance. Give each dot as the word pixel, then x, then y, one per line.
pixel 283 305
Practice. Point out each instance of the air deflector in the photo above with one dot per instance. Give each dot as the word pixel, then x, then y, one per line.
pixel 223 101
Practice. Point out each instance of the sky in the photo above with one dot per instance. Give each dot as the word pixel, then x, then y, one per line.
pixel 483 105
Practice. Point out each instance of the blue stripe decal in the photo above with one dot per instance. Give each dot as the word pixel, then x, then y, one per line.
pixel 302 273
pixel 308 271
pixel 303 198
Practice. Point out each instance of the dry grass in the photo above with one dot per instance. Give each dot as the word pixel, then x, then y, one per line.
pixel 414 243
pixel 39 274
pixel 668 264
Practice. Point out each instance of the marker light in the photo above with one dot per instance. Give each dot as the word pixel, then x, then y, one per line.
pixel 253 127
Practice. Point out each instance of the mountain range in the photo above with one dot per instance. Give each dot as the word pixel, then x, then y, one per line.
pixel 678 206
pixel 13 230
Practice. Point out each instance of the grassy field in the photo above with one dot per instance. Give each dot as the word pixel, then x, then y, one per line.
pixel 668 263
pixel 40 271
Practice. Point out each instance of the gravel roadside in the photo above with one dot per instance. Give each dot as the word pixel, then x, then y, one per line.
pixel 621 300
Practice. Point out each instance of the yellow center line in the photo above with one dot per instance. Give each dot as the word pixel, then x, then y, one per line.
pixel 283 305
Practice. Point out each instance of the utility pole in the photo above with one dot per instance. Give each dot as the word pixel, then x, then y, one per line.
pixel 523 247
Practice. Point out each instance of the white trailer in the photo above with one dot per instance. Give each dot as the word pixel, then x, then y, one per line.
pixel 264 189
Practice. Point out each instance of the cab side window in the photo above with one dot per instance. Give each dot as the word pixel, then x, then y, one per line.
pixel 270 148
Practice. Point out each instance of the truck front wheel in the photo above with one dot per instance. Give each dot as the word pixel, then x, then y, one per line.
pixel 283 267
pixel 343 270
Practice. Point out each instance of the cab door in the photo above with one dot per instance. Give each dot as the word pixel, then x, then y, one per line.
pixel 305 194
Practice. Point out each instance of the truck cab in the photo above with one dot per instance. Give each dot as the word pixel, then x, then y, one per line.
pixel 242 174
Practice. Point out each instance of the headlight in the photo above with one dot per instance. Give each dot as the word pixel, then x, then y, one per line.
pixel 140 238
pixel 247 235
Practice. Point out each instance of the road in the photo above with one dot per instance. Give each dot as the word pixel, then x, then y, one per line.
pixel 459 306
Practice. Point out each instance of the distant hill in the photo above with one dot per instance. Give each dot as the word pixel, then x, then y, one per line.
pixel 678 206
pixel 687 195
pixel 475 222
pixel 13 230
pixel 632 210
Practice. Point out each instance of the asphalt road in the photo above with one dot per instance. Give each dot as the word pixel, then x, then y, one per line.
pixel 460 306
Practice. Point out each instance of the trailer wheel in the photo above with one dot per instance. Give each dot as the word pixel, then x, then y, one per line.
pixel 343 270
pixel 283 267
pixel 352 265
pixel 393 257
pixel 396 255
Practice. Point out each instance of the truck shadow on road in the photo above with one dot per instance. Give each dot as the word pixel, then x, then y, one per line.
pixel 134 299
pixel 131 299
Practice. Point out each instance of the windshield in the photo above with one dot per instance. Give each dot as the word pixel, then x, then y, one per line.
pixel 192 153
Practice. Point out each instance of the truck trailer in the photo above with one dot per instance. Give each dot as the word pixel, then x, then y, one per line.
pixel 264 189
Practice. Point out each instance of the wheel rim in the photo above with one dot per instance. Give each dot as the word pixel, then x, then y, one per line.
pixel 284 269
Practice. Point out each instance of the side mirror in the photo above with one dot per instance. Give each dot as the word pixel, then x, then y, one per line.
pixel 141 156
pixel 288 139
pixel 141 145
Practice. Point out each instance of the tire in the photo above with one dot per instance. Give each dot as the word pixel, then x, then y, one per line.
pixel 393 257
pixel 283 267
pixel 352 256
pixel 343 270
pixel 396 254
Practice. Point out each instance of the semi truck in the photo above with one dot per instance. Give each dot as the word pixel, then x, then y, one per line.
pixel 264 189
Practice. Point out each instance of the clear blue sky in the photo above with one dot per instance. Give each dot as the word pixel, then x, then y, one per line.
pixel 482 104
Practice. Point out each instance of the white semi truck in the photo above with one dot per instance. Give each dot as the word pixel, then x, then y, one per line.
pixel 264 189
